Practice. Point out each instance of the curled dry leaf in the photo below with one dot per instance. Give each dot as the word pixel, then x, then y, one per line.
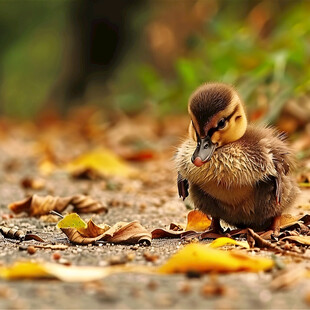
pixel 304 240
pixel 201 258
pixel 18 234
pixel 122 233
pixel 85 204
pixel 36 205
pixel 197 221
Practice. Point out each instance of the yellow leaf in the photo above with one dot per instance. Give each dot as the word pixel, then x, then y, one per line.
pixel 36 270
pixel 46 167
pixel 219 242
pixel 24 270
pixel 71 220
pixel 102 161
pixel 197 221
pixel 79 232
pixel 201 258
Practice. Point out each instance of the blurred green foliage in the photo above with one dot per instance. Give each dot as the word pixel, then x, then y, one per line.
pixel 31 46
pixel 230 50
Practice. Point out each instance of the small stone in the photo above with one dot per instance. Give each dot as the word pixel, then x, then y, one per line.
pixel 150 257
pixel 213 289
pixel 56 256
pixel 31 250
pixel 117 260
pixel 185 288
pixel 22 248
pixel 152 285
pixel 130 257
pixel 64 261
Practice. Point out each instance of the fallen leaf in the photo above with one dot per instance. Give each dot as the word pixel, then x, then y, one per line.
pixel 287 220
pixel 32 183
pixel 140 155
pixel 85 204
pixel 37 205
pixel 122 232
pixel 254 240
pixel 47 167
pixel 197 221
pixel 102 161
pixel 36 270
pixel 304 240
pixel 219 242
pixel 201 258
pixel 72 220
pixel 12 233
pixel 18 234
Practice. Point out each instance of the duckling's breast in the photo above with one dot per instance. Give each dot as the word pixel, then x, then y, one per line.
pixel 231 174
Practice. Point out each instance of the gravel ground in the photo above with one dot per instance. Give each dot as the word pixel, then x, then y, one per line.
pixel 155 205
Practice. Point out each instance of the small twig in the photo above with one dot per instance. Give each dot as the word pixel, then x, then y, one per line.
pixel 262 243
pixel 56 213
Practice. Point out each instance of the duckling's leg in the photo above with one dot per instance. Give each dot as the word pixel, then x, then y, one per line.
pixel 275 225
pixel 273 229
pixel 215 226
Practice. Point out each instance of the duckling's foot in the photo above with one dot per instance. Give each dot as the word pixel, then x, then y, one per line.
pixel 215 230
pixel 273 230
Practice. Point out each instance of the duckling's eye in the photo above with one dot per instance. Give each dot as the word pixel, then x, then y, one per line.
pixel 221 124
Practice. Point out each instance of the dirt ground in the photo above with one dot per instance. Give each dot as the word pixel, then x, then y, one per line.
pixel 151 198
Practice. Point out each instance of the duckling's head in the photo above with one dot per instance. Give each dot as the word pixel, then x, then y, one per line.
pixel 218 118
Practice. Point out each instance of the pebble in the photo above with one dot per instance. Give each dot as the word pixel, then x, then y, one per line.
pixel 56 256
pixel 64 261
pixel 31 250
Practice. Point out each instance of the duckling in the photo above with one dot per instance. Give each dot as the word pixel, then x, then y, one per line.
pixel 233 171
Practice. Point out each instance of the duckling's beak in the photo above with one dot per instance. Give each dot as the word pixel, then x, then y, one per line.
pixel 204 151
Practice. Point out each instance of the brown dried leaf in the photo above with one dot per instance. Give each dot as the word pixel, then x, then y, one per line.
pixel 197 221
pixel 32 183
pixel 286 220
pixel 254 240
pixel 92 230
pixel 128 233
pixel 122 233
pixel 18 234
pixel 304 240
pixel 36 205
pixel 166 233
pixel 85 204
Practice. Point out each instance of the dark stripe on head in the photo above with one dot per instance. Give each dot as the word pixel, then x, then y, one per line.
pixel 207 101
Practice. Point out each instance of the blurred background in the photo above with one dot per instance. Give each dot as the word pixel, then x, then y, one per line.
pixel 150 55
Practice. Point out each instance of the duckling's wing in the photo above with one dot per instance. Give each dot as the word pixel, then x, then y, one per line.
pixel 282 167
pixel 182 186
